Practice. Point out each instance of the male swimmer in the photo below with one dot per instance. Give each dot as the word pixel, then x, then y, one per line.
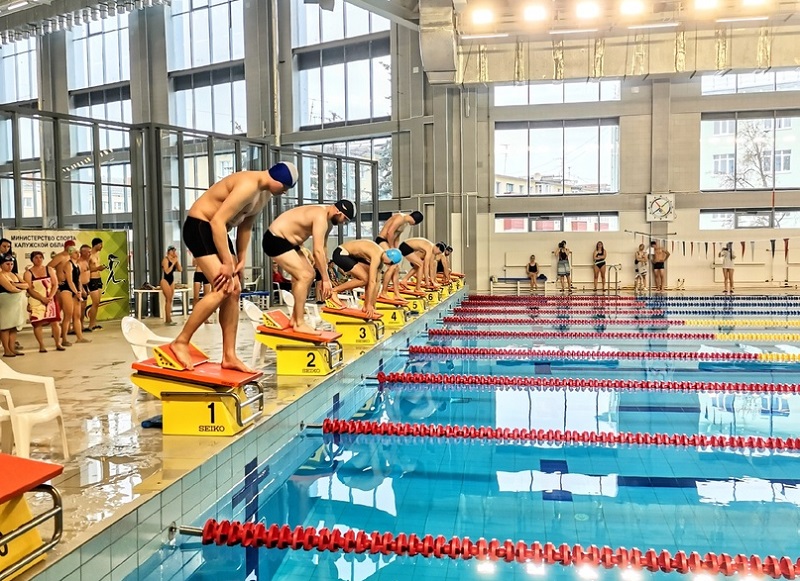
pixel 363 260
pixel 422 254
pixel 389 237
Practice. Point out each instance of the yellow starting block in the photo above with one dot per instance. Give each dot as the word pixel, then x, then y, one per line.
pixel 417 300
pixel 458 280
pixel 354 325
pixel 395 313
pixel 206 401
pixel 22 545
pixel 300 353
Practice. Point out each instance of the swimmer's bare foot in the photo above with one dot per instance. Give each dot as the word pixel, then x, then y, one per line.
pixel 181 351
pixel 236 364
pixel 334 303
pixel 307 329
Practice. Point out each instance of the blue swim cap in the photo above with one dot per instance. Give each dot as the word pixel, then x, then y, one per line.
pixel 284 172
pixel 394 255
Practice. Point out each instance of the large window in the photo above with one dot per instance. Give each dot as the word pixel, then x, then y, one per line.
pixel 108 105
pixel 566 222
pixel 749 218
pixel 557 92
pixel 556 158
pixel 204 32
pixel 343 85
pixel 749 151
pixel 211 101
pixel 762 82
pixel 376 149
pixel 313 25
pixel 18 77
pixel 99 53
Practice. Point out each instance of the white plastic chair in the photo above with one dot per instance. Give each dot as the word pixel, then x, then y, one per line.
pixel 140 338
pixel 255 316
pixel 24 417
pixel 312 317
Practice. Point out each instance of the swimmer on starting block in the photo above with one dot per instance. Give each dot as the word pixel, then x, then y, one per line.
pixel 389 237
pixel 443 262
pixel 233 202
pixel 282 242
pixel 422 254
pixel 363 260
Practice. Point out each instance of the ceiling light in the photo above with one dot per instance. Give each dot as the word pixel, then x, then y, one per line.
pixel 753 2
pixel 482 16
pixel 705 4
pixel 16 5
pixel 573 31
pixel 631 7
pixel 482 36
pixel 535 12
pixel 587 10
pixel 654 25
pixel 742 19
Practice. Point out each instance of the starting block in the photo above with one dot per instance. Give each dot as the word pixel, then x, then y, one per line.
pixel 300 353
pixel 354 325
pixel 458 279
pixel 22 544
pixel 206 401
pixel 417 300
pixel 396 313
pixel 433 296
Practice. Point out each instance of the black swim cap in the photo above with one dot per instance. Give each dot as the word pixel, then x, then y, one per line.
pixel 441 246
pixel 347 208
pixel 417 216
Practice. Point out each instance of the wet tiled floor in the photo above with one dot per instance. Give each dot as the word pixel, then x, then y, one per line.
pixel 114 461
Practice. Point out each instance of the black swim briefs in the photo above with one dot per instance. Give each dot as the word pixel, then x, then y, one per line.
pixel 199 277
pixel 405 249
pixel 95 284
pixel 380 240
pixel 658 265
pixel 275 245
pixel 198 238
pixel 345 261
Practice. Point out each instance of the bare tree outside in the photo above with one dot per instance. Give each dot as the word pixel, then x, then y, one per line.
pixel 754 156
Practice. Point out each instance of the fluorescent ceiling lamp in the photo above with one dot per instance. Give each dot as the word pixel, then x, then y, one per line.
pixel 705 4
pixel 482 16
pixel 631 7
pixel 743 19
pixel 16 5
pixel 654 25
pixel 587 10
pixel 482 36
pixel 573 31
pixel 535 12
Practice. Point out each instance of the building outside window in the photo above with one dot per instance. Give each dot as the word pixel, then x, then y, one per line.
pixel 557 158
pixel 756 156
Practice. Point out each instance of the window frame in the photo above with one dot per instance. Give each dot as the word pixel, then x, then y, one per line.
pixel 557 218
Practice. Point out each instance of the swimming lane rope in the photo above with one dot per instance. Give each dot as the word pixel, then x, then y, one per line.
pixel 509 383
pixel 258 535
pixel 357 427
pixel 566 321
pixel 488 333
pixel 580 355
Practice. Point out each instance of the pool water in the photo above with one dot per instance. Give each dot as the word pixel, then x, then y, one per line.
pixel 661 497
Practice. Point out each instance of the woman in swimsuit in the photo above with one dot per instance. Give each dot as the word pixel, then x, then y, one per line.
pixel 599 259
pixel 533 272
pixel 640 266
pixel 71 294
pixel 169 264
pixel 563 267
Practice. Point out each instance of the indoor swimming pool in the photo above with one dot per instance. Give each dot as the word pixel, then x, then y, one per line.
pixel 740 496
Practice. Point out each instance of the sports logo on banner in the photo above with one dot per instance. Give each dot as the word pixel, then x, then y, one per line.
pixel 115 298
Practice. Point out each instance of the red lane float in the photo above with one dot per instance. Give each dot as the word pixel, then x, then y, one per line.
pixel 508 310
pixel 577 355
pixel 512 382
pixel 470 333
pixel 357 427
pixel 258 535
pixel 565 321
